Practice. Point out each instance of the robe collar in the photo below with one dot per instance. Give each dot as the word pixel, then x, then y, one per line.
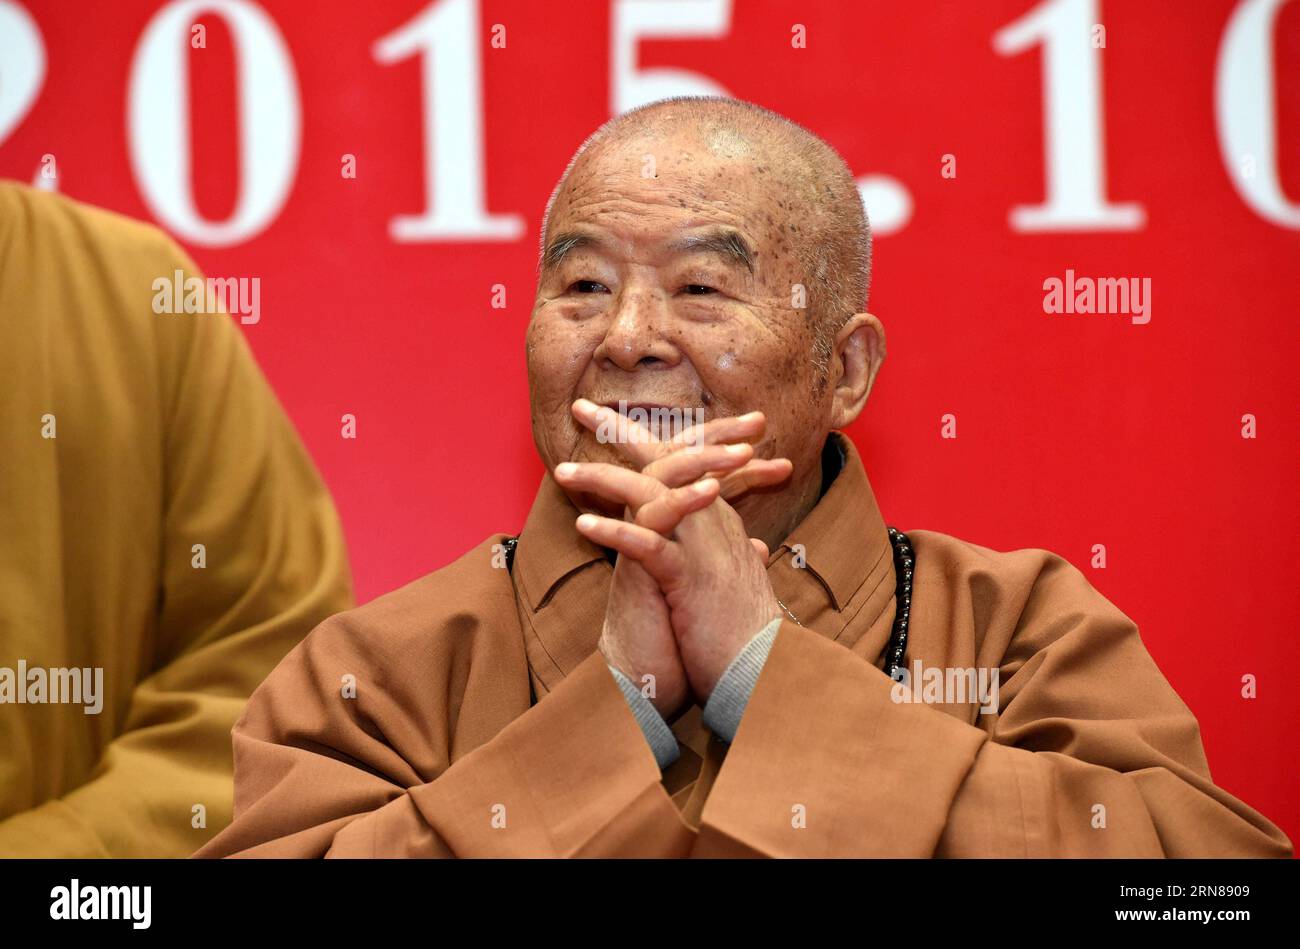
pixel 834 571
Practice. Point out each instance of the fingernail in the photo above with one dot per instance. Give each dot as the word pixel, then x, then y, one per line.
pixel 565 469
pixel 586 521
pixel 737 449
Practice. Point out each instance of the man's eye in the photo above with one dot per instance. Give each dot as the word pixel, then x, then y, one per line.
pixel 588 286
pixel 698 289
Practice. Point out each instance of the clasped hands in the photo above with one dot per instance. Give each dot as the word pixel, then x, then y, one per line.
pixel 690 588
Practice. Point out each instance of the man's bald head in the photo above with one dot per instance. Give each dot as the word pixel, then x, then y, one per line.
pixel 816 194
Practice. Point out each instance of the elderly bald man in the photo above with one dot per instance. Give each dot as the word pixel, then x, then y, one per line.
pixel 706 641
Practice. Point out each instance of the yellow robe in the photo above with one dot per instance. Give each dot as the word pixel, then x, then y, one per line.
pixel 166 436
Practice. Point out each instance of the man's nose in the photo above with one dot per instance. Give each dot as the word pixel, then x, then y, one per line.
pixel 637 333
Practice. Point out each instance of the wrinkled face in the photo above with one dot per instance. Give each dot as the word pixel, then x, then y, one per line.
pixel 675 290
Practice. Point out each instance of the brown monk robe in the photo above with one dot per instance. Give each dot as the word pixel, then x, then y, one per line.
pixel 477 711
pixel 443 753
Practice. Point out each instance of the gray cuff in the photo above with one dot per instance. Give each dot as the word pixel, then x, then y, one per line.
pixel 657 733
pixel 730 696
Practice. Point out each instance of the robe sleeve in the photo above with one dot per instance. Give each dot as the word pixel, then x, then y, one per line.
pixel 317 775
pixel 238 481
pixel 1092 755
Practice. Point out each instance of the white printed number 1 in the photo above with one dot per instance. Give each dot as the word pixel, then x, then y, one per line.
pixel 445 36
pixel 1074 142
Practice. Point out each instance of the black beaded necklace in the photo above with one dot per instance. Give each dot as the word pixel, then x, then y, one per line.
pixel 903 563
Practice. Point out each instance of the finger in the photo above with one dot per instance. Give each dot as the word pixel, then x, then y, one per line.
pixel 729 428
pixel 664 513
pixel 611 482
pixel 660 557
pixel 760 548
pixel 759 473
pixel 764 470
pixel 685 465
pixel 643 445
pixel 633 440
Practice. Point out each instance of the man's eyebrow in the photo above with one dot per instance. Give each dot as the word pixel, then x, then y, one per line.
pixel 723 240
pixel 565 242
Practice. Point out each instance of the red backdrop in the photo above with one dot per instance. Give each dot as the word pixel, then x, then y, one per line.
pixel 1158 139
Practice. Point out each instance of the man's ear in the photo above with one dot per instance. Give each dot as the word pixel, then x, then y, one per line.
pixel 858 354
